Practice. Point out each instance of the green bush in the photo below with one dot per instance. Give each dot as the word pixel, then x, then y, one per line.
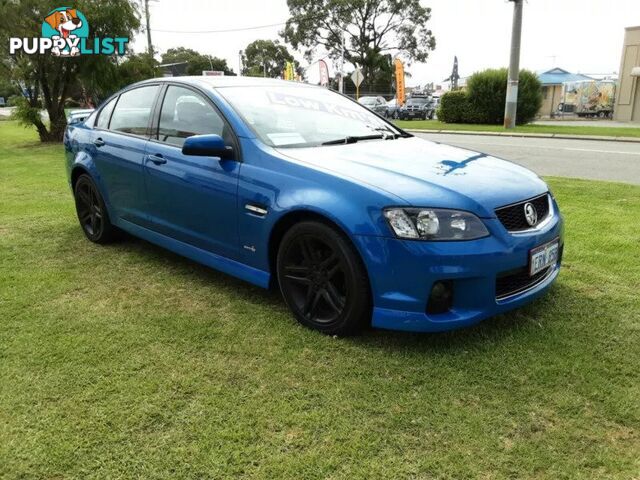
pixel 452 107
pixel 455 107
pixel 483 100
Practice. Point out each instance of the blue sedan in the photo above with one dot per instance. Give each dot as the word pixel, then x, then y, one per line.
pixel 285 184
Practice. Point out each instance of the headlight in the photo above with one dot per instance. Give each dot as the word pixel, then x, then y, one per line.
pixel 434 224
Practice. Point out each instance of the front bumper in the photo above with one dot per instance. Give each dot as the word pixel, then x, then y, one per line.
pixel 413 113
pixel 402 273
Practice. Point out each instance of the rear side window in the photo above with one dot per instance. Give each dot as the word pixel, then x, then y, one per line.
pixel 184 114
pixel 133 110
pixel 105 115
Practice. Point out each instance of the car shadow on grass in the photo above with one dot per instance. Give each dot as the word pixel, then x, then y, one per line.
pixel 242 290
pixel 540 314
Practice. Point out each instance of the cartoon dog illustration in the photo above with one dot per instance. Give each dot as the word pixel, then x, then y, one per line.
pixel 64 22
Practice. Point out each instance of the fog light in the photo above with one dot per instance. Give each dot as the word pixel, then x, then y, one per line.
pixel 441 297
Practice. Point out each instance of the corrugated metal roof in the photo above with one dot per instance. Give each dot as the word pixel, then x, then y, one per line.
pixel 557 76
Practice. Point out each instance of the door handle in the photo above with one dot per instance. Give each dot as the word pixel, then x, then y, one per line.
pixel 98 142
pixel 157 159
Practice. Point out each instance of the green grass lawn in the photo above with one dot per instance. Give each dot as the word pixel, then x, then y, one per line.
pixel 127 361
pixel 531 128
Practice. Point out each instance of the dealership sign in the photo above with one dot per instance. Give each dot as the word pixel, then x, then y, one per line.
pixel 65 33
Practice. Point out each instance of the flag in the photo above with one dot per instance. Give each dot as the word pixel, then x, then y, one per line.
pixel 324 73
pixel 399 82
pixel 289 73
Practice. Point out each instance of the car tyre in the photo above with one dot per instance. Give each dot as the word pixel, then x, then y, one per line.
pixel 323 280
pixel 92 213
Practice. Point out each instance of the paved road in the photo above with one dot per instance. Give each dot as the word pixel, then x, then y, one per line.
pixel 598 160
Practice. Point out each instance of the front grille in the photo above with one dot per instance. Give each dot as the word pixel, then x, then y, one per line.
pixel 517 281
pixel 513 217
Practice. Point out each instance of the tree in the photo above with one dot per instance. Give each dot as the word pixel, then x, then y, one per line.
pixel 97 84
pixel 372 29
pixel 46 80
pixel 265 58
pixel 196 62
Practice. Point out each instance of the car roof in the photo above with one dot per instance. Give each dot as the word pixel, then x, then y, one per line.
pixel 229 81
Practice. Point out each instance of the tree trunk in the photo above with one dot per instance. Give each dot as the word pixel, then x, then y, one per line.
pixel 57 125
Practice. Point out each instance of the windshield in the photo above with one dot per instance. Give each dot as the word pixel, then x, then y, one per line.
pixel 417 101
pixel 367 100
pixel 304 116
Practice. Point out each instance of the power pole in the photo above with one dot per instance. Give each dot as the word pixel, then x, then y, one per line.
pixel 341 84
pixel 511 104
pixel 148 19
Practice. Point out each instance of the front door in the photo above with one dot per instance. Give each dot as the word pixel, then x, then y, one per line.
pixel 191 198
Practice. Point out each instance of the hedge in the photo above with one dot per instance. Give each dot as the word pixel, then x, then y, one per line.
pixel 484 98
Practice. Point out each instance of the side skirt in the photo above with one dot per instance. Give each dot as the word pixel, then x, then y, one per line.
pixel 223 264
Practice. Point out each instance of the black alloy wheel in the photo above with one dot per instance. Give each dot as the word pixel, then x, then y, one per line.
pixel 322 279
pixel 92 214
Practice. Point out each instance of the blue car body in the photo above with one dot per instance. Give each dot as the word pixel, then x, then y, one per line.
pixel 212 211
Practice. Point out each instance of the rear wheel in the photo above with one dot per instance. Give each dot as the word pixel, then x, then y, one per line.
pixel 92 213
pixel 323 280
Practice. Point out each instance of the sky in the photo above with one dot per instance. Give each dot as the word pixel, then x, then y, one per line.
pixel 582 36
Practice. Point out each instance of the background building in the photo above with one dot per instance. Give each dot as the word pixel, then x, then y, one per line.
pixel 552 81
pixel 627 108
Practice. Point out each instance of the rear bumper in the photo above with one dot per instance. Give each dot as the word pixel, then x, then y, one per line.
pixel 402 274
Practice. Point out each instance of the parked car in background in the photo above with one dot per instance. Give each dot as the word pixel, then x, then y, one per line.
pixel 417 107
pixel 285 184
pixel 392 108
pixel 77 116
pixel 375 104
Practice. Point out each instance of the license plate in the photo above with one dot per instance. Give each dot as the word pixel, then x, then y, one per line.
pixel 543 256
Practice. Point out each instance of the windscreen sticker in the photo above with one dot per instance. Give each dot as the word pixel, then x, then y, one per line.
pixel 287 138
pixel 307 104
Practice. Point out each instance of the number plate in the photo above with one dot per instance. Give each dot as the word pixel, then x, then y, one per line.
pixel 543 256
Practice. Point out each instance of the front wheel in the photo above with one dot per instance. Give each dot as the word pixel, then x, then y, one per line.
pixel 323 280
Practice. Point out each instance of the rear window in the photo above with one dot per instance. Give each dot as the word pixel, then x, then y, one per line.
pixel 133 110
pixel 105 115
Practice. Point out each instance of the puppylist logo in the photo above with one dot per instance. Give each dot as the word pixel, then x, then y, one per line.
pixel 65 33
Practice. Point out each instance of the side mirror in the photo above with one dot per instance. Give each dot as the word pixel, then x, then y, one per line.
pixel 207 146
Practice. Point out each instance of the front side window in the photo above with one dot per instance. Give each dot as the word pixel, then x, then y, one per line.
pixel 184 114
pixel 302 116
pixel 133 110
pixel 105 115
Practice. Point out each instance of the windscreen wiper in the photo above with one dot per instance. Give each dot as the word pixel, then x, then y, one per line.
pixel 353 139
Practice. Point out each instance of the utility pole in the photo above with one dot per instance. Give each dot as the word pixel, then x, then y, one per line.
pixel 341 84
pixel 511 104
pixel 148 19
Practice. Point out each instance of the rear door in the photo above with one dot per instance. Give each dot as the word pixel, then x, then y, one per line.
pixel 119 140
pixel 192 199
